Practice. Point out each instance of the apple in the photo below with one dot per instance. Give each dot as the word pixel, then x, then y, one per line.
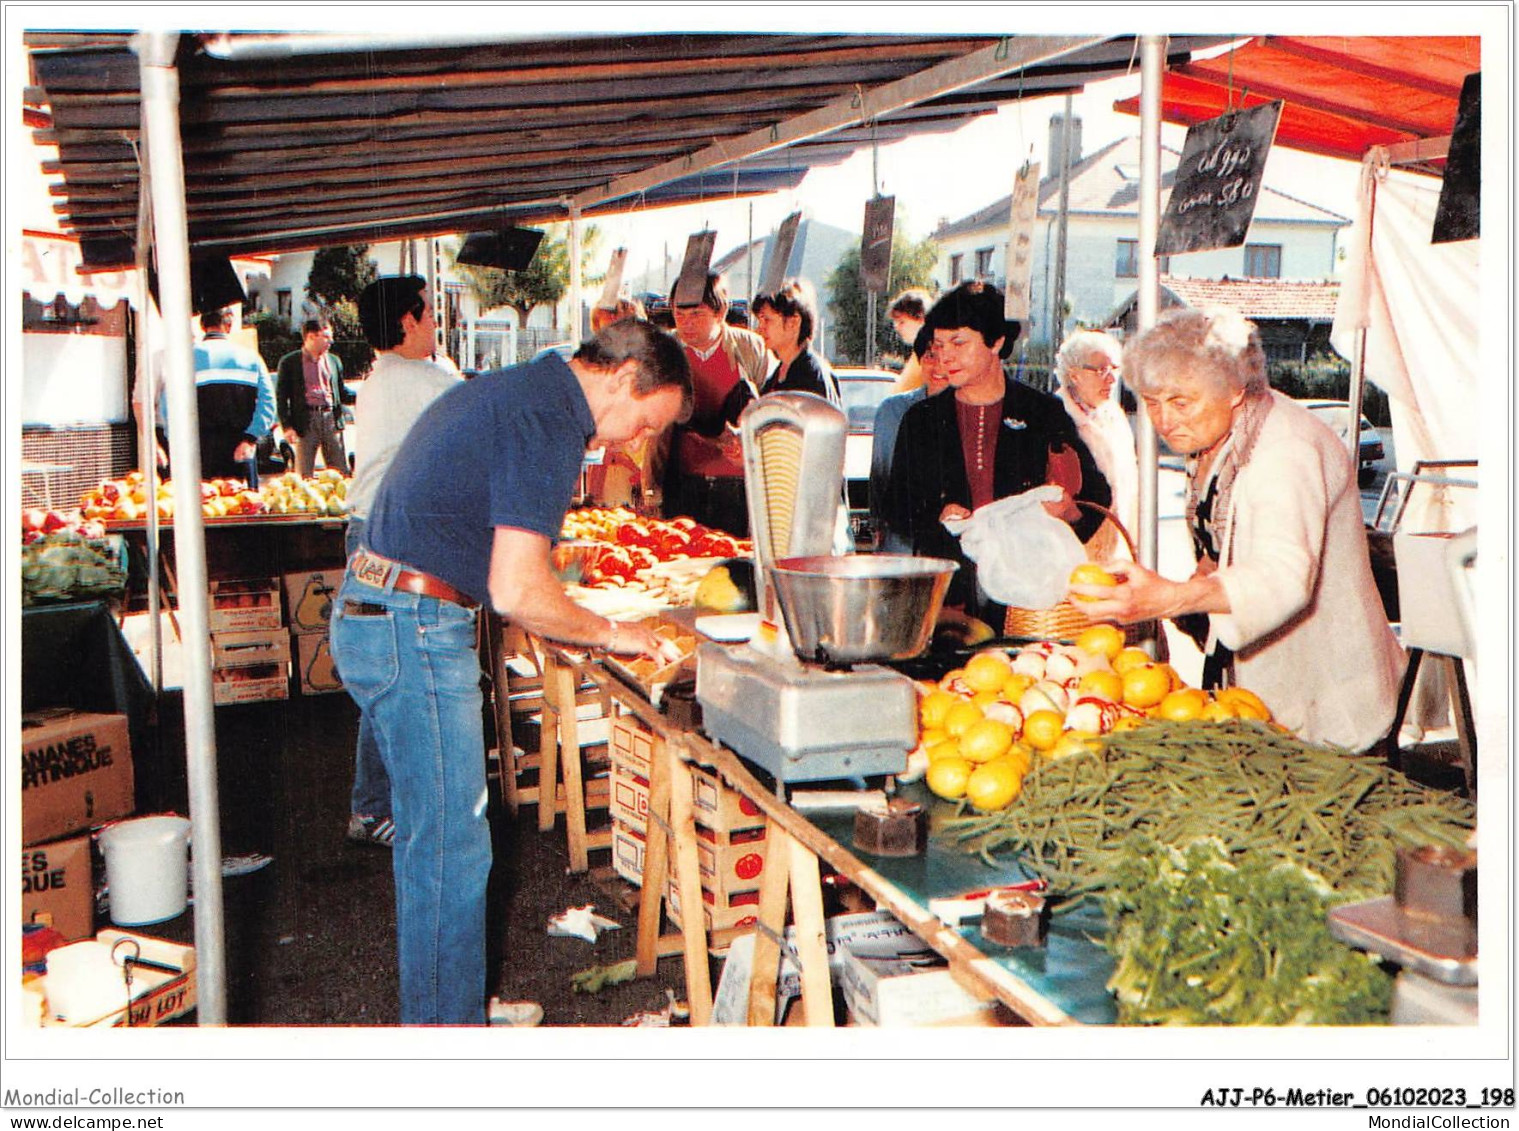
pixel 53 521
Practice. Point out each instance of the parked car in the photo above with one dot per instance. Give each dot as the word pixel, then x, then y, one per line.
pixel 862 390
pixel 1336 414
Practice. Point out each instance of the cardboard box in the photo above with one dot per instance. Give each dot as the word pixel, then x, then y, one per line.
pixel 248 647
pixel 633 745
pixel 866 932
pixel 314 670
pixel 309 596
pixel 730 861
pixel 244 604
pixel 76 771
pixel 629 849
pixel 250 685
pixel 731 909
pixel 913 989
pixel 629 800
pixel 720 807
pixel 57 881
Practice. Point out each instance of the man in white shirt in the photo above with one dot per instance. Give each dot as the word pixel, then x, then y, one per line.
pixel 397 318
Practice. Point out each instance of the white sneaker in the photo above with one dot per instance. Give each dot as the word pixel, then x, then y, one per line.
pixel 517 1014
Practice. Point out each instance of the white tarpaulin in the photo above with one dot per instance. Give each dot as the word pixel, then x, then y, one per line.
pixel 1419 304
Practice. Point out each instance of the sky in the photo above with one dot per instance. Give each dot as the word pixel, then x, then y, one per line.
pixel 942 176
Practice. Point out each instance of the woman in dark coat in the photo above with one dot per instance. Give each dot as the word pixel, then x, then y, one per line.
pixel 990 438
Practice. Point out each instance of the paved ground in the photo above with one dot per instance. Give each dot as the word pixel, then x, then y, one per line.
pixel 311 937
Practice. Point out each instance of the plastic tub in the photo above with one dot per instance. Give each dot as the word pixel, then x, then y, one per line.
pixel 147 867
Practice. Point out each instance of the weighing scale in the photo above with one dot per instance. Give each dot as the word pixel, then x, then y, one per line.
pixel 1428 927
pixel 799 721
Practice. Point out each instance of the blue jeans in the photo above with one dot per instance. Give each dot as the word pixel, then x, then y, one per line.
pixel 371 785
pixel 410 664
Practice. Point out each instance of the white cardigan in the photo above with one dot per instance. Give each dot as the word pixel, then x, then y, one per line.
pixel 1307 626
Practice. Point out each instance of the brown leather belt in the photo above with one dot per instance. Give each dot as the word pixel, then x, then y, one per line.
pixel 382 573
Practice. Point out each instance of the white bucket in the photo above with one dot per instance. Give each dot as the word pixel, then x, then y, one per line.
pixel 147 867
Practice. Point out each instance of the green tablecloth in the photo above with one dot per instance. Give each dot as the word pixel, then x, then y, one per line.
pixel 1071 970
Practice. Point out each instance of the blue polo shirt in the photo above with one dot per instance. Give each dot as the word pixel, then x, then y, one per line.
pixel 504 449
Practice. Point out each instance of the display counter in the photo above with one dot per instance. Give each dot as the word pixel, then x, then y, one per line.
pixel 1062 983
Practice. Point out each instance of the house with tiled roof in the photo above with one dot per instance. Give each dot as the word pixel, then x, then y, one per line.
pixel 1294 317
pixel 1289 239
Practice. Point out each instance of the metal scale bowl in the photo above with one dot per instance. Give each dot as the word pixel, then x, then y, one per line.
pixel 806 699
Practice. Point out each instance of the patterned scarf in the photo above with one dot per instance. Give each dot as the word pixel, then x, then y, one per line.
pixel 1244 431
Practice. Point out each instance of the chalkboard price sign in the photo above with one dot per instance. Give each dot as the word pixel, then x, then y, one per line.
pixel 1458 216
pixel 1213 197
pixel 875 243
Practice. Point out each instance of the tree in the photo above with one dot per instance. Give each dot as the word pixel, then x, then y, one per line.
pixel 543 282
pixel 912 265
pixel 338 275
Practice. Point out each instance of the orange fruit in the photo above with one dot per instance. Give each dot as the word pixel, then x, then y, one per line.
pixel 1177 683
pixel 1105 685
pixel 1183 703
pixel 1019 754
pixel 1101 640
pixel 1071 742
pixel 1015 685
pixel 958 719
pixel 952 680
pixel 985 699
pixel 987 671
pixel 934 707
pixel 1216 712
pixel 993 786
pixel 944 748
pixel 1130 657
pixel 985 740
pixel 930 736
pixel 1041 729
pixel 1090 573
pixel 947 777
pixel 1145 685
pixel 1246 703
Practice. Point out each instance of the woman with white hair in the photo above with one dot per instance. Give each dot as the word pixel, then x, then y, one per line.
pixel 1087 368
pixel 1283 574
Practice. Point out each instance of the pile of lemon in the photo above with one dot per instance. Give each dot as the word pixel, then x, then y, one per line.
pixel 983 726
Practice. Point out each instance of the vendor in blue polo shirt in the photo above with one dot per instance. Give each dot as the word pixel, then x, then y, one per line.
pixel 465 517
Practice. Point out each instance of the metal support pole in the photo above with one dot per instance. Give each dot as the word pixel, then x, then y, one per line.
pixel 147 434
pixel 575 327
pixel 1152 56
pixel 160 110
pixel 1063 163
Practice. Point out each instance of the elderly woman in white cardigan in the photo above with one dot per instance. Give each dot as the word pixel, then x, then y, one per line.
pixel 1087 368
pixel 1283 573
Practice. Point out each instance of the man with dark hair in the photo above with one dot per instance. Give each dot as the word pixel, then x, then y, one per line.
pixel 311 394
pixel 785 320
pixel 465 517
pixel 704 474
pixel 987 438
pixel 234 397
pixel 403 381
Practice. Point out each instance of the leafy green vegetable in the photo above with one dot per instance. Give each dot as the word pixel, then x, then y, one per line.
pixel 1201 939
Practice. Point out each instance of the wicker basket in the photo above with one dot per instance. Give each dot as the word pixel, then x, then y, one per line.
pixel 1064 622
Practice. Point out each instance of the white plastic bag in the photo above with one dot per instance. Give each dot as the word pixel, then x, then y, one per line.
pixel 1023 554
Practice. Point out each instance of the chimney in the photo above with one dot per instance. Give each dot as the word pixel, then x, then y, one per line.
pixel 1057 128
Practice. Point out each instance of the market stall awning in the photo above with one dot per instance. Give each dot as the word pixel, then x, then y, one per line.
pixel 296 141
pixel 1342 95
